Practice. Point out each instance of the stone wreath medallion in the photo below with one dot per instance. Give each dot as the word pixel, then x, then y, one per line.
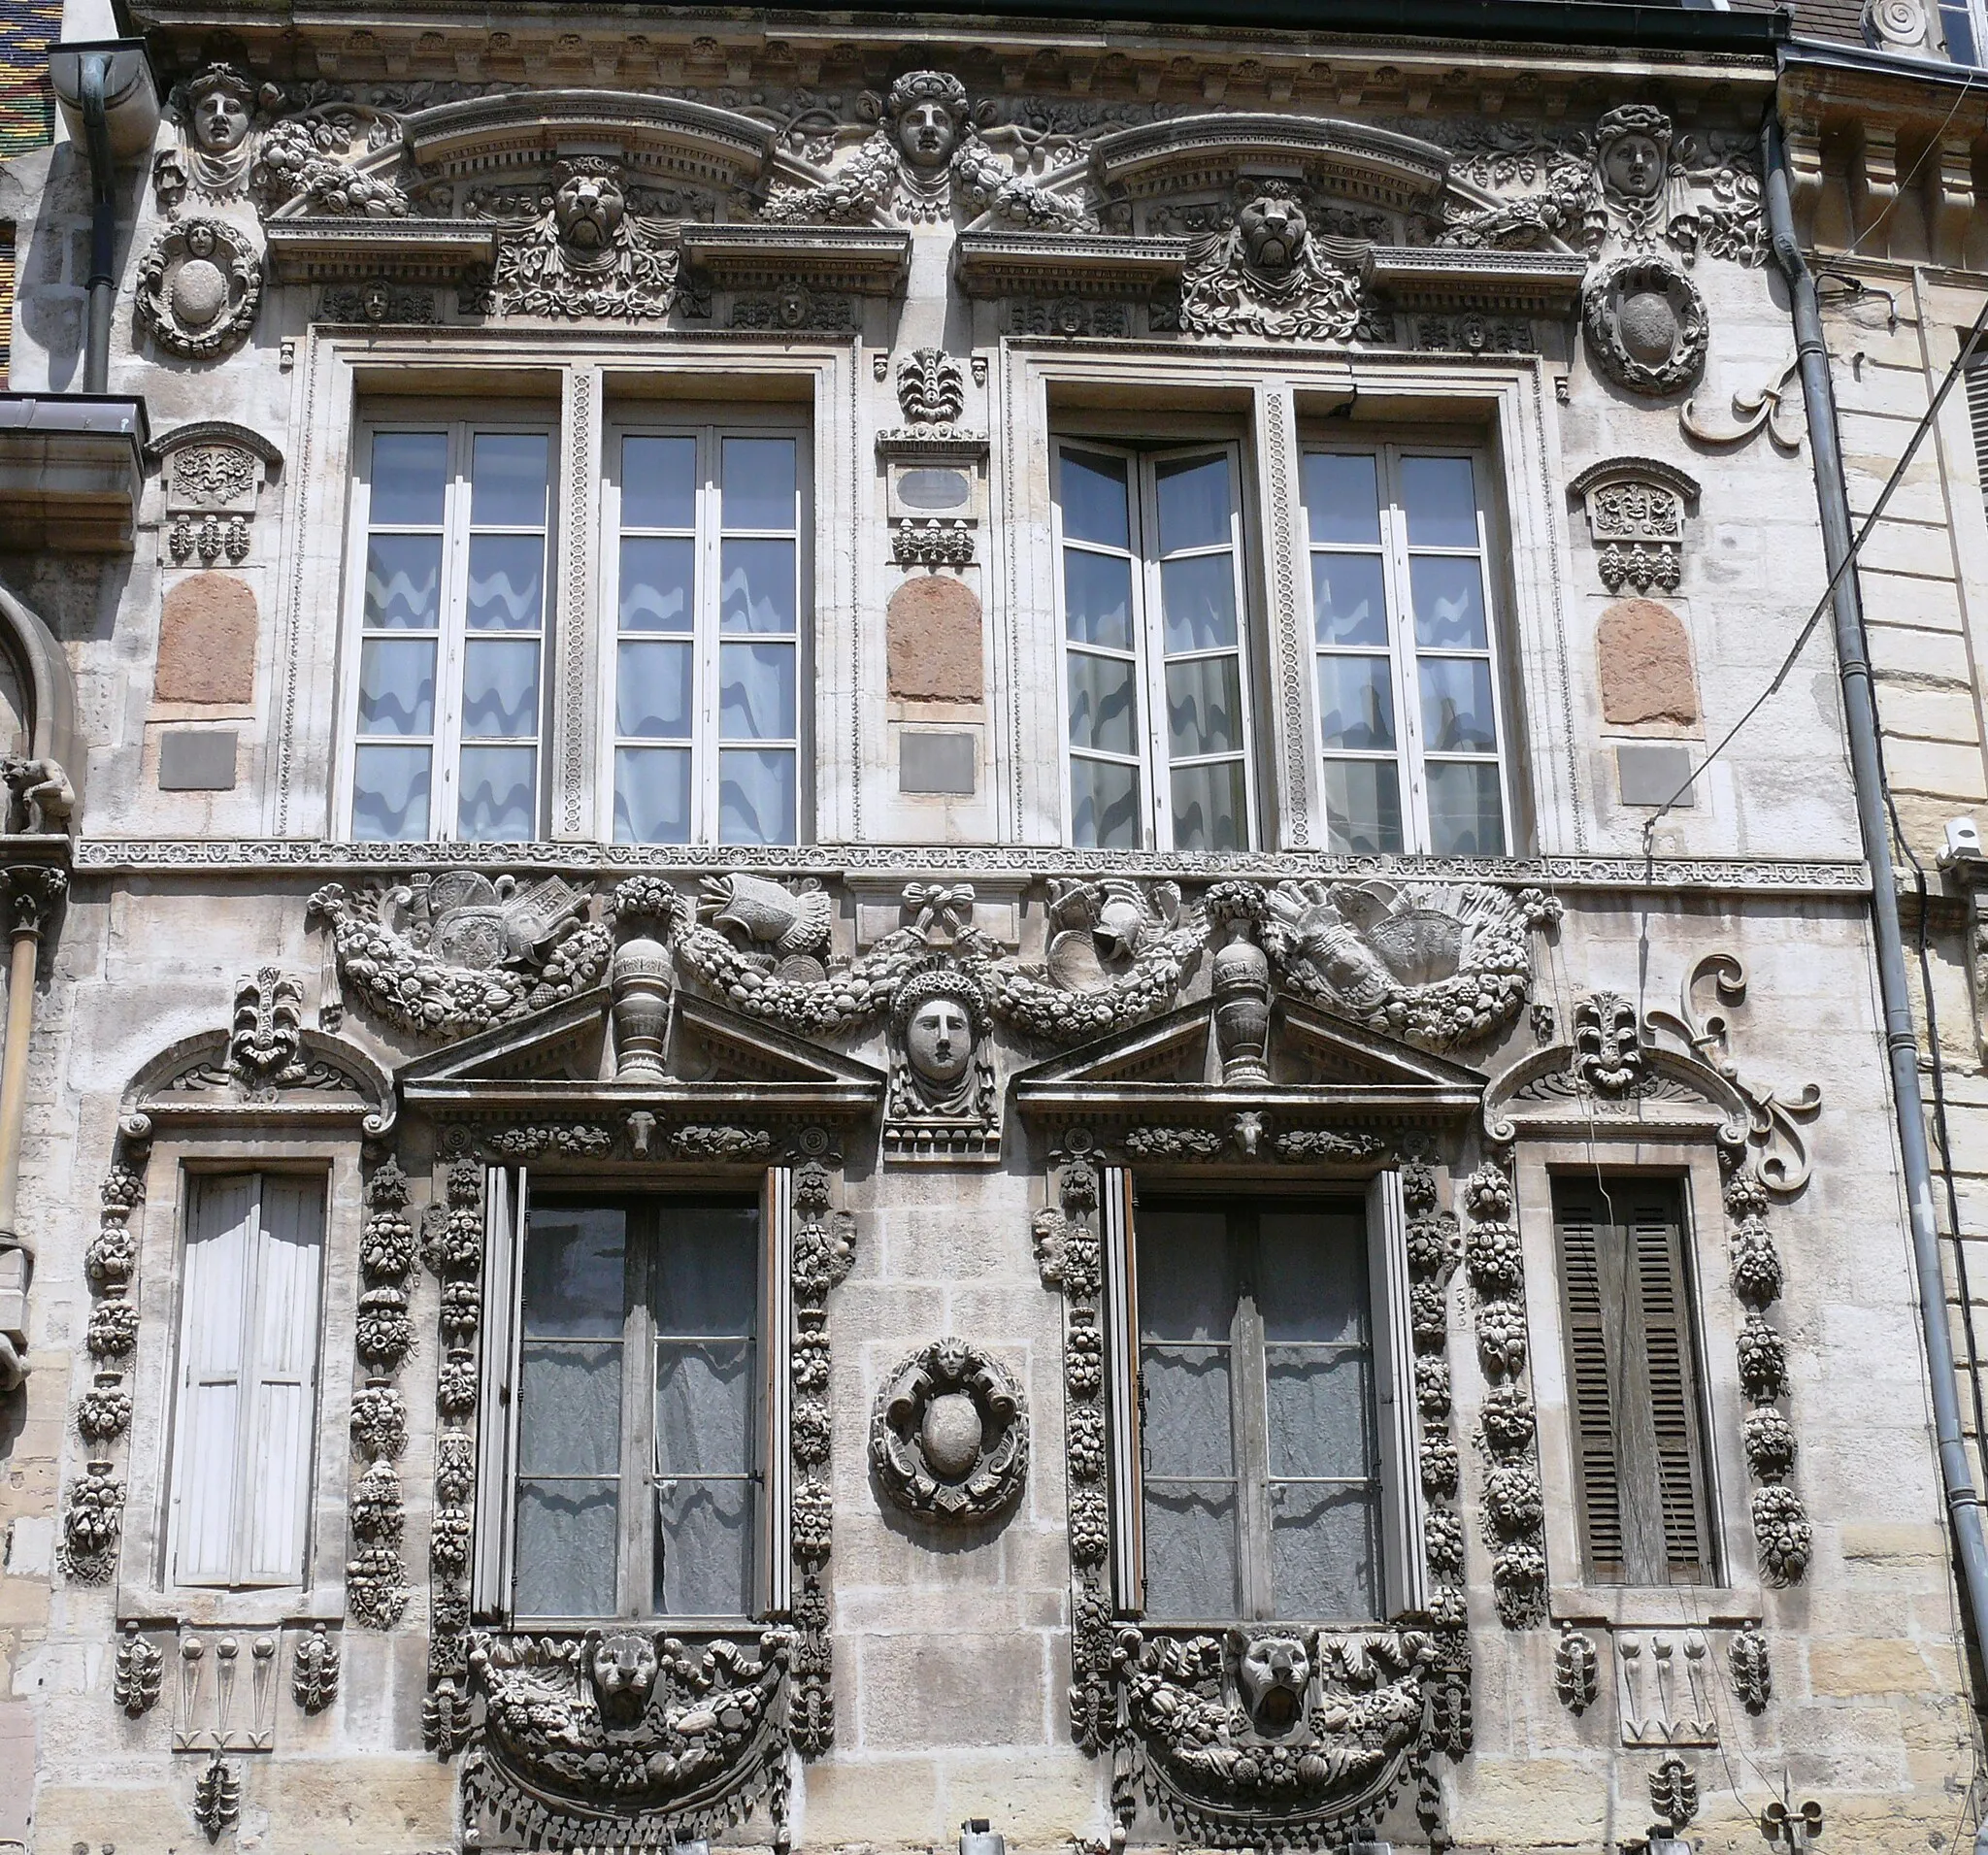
pixel 950 1434
pixel 1646 325
pixel 199 286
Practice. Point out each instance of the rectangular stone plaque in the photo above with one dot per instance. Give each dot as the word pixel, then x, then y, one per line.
pixel 935 763
pixel 1650 772
pixel 197 760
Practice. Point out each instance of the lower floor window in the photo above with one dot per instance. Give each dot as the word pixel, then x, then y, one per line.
pixel 638 1458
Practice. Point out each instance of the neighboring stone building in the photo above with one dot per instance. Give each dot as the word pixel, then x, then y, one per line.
pixel 837 999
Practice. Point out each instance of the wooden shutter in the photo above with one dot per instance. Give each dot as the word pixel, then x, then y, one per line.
pixel 776 1319
pixel 1122 1388
pixel 1394 1388
pixel 1656 1239
pixel 274 1471
pixel 214 1338
pixel 506 1202
pixel 1598 1489
pixel 1977 415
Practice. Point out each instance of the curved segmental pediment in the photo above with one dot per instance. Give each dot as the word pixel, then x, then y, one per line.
pixel 299 1077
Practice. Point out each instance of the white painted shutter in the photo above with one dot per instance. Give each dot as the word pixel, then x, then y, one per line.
pixel 220 1233
pixel 1394 1384
pixel 775 1581
pixel 274 1473
pixel 1121 1354
pixel 504 1220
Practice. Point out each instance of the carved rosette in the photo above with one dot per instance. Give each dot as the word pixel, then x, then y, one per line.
pixel 950 1434
pixel 1646 325
pixel 199 286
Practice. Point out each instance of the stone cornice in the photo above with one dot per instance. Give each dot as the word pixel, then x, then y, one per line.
pixel 847 257
pixel 1432 278
pixel 1058 264
pixel 353 251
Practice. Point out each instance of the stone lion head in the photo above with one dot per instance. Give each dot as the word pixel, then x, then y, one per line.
pixel 1273 228
pixel 623 1667
pixel 588 208
pixel 1271 1674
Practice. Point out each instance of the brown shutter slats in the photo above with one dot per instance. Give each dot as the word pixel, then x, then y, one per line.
pixel 1599 1485
pixel 1674 1396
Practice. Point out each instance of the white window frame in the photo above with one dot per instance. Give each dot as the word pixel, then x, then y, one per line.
pixel 252 1455
pixel 1153 763
pixel 1410 754
pixel 709 428
pixel 461 426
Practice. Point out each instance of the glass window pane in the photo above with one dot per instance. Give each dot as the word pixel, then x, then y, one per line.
pixel 659 483
pixel 410 479
pixel 1204 707
pixel 397 685
pixel 1456 705
pixel 1363 804
pixel 390 795
pixel 1191 1552
pixel 568 1410
pixel 1194 504
pixel 1184 1427
pixel 756 796
pixel 653 690
pixel 497 805
pixel 1320 1410
pixel 1097 598
pixel 1311 1276
pixel 403 582
pixel 575 1280
pixel 1465 814
pixel 1442 501
pixel 653 795
pixel 1198 599
pixel 756 692
pixel 1322 1552
pixel 506 583
pixel 1957 26
pixel 756 583
pixel 508 479
pixel 500 689
pixel 1348 599
pixel 704 1408
pixel 704 1547
pixel 1103 805
pixel 1103 713
pixel 1093 492
pixel 1186 1287
pixel 1211 807
pixel 566 1548
pixel 1342 499
pixel 759 484
pixel 1356 703
pixel 1449 603
pixel 706 1275
pixel 656 578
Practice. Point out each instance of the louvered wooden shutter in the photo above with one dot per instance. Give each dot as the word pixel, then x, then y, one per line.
pixel 1657 1242
pixel 1598 1483
pixel 1977 415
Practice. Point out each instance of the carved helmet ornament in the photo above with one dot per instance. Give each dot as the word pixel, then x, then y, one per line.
pixel 950 1434
pixel 1646 325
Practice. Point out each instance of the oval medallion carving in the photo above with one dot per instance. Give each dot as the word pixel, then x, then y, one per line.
pixel 950 1434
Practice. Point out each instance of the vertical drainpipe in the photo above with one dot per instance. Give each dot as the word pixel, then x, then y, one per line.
pixel 1901 1036
pixel 103 224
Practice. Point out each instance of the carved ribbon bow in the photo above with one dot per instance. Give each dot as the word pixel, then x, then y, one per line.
pixel 950 906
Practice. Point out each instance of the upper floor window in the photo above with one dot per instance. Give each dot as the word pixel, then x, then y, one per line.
pixel 1410 721
pixel 706 590
pixel 446 708
pixel 1961 29
pixel 1155 668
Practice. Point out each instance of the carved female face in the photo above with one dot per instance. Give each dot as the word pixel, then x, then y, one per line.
pixel 939 1040
pixel 926 133
pixel 220 119
pixel 1632 165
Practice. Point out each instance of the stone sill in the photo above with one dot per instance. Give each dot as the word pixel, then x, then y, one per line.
pixel 71 470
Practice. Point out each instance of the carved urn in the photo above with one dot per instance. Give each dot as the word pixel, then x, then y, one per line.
pixel 1241 986
pixel 641 978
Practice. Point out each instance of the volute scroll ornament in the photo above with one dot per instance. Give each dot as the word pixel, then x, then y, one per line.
pixel 950 1434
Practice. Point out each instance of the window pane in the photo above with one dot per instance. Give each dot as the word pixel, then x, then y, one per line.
pixel 508 479
pixel 658 483
pixel 1320 1413
pixel 757 585
pixel 1185 1423
pixel 403 582
pixel 759 482
pixel 410 477
pixel 1466 815
pixel 655 587
pixel 566 1540
pixel 1093 500
pixel 1097 598
pixel 1456 705
pixel 1342 499
pixel 497 805
pixel 1363 805
pixel 653 690
pixel 756 692
pixel 1194 504
pixel 1449 603
pixel 1311 1277
pixel 390 795
pixel 1322 1552
pixel 506 583
pixel 1198 597
pixel 1204 707
pixel 1442 501
pixel 756 796
pixel 1191 1552
pixel 1103 805
pixel 1356 703
pixel 706 1277
pixel 653 795
pixel 704 1408
pixel 1104 713
pixel 704 1547
pixel 1957 27
pixel 1211 807
pixel 500 689
pixel 574 1272
pixel 1185 1291
pixel 569 1410
pixel 397 685
pixel 1348 600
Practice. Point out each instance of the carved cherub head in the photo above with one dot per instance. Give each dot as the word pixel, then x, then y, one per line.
pixel 1271 1674
pixel 927 113
pixel 1271 222
pixel 623 1667
pixel 1633 151
pixel 588 206
pixel 219 104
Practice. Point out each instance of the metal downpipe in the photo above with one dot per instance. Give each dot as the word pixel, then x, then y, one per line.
pixel 102 226
pixel 1902 1044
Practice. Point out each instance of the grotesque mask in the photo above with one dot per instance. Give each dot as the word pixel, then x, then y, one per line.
pixel 587 210
pixel 220 119
pixel 1635 152
pixel 939 1042
pixel 926 135
pixel 927 112
pixel 624 1671
pixel 1271 1674
pixel 1273 228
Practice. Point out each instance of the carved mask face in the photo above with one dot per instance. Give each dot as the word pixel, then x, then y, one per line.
pixel 220 119
pixel 1271 1673
pixel 926 133
pixel 1632 165
pixel 939 1040
pixel 200 240
pixel 949 1362
pixel 587 211
pixel 1273 233
pixel 624 1671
